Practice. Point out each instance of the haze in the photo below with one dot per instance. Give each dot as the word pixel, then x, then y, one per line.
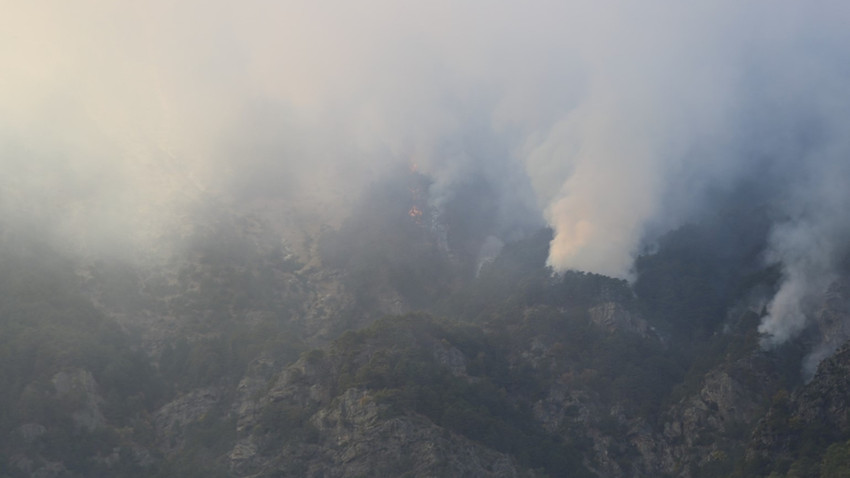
pixel 612 123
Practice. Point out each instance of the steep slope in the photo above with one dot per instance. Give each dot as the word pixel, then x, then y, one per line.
pixel 240 357
pixel 381 402
pixel 805 433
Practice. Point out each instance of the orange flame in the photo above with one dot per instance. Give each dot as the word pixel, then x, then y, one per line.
pixel 415 212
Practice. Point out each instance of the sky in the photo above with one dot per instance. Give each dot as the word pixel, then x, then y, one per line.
pixel 610 122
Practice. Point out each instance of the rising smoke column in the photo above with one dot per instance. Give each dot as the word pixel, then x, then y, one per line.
pixel 661 85
pixel 710 97
pixel 813 242
pixel 613 121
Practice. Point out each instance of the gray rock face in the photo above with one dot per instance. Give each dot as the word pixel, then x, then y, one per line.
pixel 613 316
pixel 707 425
pixel 451 358
pixel 711 424
pixel 171 419
pixel 366 443
pixel 821 406
pixel 350 435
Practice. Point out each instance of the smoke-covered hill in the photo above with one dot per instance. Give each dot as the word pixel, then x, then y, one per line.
pixel 237 356
pixel 455 237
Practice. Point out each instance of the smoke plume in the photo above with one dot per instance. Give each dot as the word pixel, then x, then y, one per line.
pixel 612 122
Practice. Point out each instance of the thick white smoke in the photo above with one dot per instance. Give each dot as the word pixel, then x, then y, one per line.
pixel 812 244
pixel 610 120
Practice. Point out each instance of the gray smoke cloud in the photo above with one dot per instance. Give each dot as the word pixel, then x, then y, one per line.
pixel 609 121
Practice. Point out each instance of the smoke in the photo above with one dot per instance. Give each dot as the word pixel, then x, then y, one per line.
pixel 613 122
pixel 812 244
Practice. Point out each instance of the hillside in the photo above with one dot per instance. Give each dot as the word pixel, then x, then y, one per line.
pixel 387 349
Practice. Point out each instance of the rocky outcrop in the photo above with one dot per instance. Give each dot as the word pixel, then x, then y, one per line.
pixel 299 428
pixel 710 425
pixel 171 420
pixel 612 316
pixel 450 357
pixel 704 429
pixel 820 409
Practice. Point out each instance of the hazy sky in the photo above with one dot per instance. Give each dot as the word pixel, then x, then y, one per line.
pixel 610 121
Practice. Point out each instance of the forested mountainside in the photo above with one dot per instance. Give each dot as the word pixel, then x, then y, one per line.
pixel 337 239
pixel 389 346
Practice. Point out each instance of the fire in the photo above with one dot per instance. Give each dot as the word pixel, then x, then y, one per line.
pixel 415 212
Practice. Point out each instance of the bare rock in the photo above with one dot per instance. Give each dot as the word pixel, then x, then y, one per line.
pixel 613 316
pixel 171 419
